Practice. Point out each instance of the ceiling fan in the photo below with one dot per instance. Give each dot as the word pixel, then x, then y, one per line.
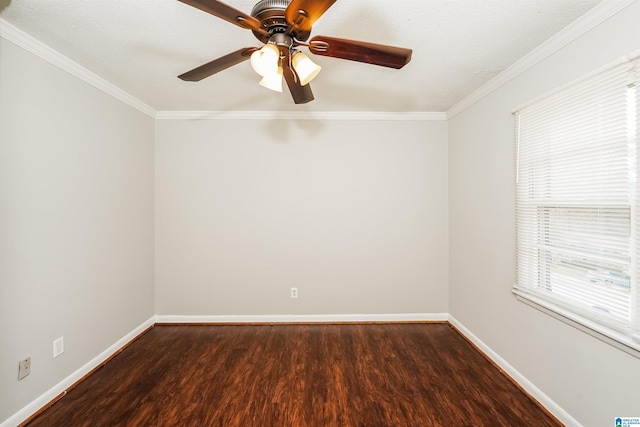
pixel 283 26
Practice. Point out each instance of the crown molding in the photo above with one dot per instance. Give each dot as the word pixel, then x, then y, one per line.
pixel 587 22
pixel 27 42
pixel 591 19
pixel 299 115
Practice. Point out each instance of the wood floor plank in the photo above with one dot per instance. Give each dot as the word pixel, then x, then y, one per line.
pixel 297 375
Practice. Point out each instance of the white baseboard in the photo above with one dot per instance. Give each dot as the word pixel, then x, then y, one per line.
pixel 306 318
pixel 63 385
pixel 557 411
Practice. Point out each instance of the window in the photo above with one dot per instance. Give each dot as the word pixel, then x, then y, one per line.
pixel 577 204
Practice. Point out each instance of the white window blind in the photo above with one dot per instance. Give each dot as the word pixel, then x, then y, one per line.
pixel 577 210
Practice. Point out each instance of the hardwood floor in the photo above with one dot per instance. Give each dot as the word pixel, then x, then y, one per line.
pixel 297 375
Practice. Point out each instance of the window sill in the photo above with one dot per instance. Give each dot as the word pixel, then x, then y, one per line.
pixel 601 332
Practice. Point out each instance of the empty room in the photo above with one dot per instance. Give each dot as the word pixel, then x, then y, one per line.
pixel 319 213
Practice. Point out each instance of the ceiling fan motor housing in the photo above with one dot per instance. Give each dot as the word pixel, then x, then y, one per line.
pixel 270 13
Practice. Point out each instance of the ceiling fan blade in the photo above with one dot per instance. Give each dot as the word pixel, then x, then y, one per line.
pixel 228 13
pixel 370 53
pixel 218 65
pixel 302 14
pixel 301 94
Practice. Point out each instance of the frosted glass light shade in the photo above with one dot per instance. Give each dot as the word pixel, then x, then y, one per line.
pixel 273 81
pixel 265 60
pixel 305 68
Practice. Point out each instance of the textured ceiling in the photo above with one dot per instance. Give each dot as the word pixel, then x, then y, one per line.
pixel 141 46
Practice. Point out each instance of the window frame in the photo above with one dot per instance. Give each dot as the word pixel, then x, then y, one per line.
pixel 604 327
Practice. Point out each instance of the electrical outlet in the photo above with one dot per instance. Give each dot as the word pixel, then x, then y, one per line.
pixel 294 292
pixel 58 347
pixel 24 368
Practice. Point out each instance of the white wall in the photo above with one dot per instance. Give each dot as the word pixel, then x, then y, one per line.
pixel 76 223
pixel 362 217
pixel 591 380
pixel 353 213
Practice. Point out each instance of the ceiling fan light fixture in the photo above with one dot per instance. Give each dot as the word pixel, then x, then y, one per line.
pixel 265 61
pixel 283 25
pixel 305 68
pixel 273 81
